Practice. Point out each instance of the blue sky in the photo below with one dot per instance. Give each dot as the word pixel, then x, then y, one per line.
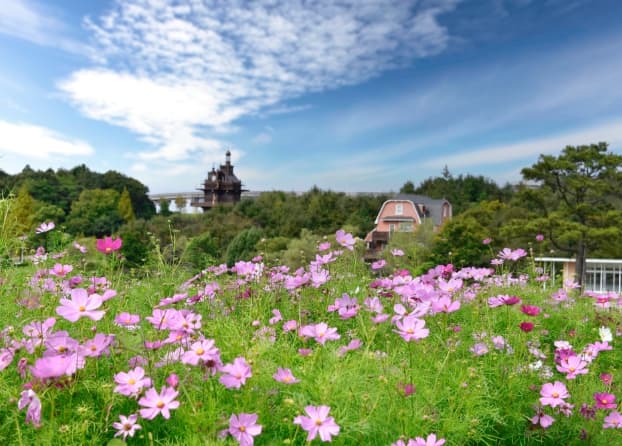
pixel 350 96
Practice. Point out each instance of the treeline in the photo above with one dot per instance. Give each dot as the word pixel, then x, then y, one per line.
pixel 83 201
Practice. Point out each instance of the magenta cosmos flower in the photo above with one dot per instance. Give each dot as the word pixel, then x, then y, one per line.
pixel 605 400
pixel 553 394
pixel 318 422
pixel 236 374
pixel 107 245
pixel 81 304
pixel 244 428
pixel 155 403
pixel 126 426
pixel 530 310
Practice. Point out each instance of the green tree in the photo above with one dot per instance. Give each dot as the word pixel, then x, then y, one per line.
pixel 125 206
pixel 96 212
pixel 23 210
pixel 408 188
pixel 243 246
pixel 165 208
pixel 576 197
pixel 180 203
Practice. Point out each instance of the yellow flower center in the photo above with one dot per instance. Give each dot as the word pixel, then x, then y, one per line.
pixel 160 405
pixel 131 381
pixel 555 395
pixel 318 422
pixel 81 308
pixel 242 429
pixel 127 427
pixel 200 351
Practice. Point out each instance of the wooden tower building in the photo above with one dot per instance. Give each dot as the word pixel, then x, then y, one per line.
pixel 220 187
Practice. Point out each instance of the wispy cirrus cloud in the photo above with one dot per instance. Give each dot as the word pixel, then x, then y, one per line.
pixel 37 23
pixel 36 142
pixel 176 74
pixel 530 149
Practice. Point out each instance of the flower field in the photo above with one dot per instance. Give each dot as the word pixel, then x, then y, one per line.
pixel 339 351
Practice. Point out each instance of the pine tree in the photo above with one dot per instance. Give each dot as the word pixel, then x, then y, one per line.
pixel 125 206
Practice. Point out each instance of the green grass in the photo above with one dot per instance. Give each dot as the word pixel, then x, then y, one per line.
pixel 466 399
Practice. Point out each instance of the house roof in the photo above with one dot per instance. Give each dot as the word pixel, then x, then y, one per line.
pixel 434 207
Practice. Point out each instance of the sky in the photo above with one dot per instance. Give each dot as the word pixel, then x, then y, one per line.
pixel 348 95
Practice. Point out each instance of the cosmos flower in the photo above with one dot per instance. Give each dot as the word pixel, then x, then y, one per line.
pixel 244 428
pixel 285 376
pixel 155 403
pixel 81 304
pixel 126 426
pixel 317 422
pixel 107 245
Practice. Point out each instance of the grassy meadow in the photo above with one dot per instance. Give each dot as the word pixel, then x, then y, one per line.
pixel 91 353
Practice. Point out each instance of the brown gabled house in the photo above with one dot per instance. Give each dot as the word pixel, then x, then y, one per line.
pixel 404 213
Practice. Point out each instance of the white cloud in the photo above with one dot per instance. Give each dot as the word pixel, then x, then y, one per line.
pixel 175 75
pixel 262 138
pixel 610 132
pixel 35 142
pixel 29 20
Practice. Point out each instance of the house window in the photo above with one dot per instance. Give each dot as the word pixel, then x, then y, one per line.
pixel 406 227
pixel 391 227
pixel 399 209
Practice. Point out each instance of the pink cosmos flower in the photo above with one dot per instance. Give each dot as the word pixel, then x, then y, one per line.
pixel 320 332
pixel 60 270
pixel 508 254
pixel 411 328
pixel 285 376
pixel 379 264
pixel 541 418
pixel 318 422
pixel 236 373
pixel 132 382
pixel 323 246
pixel 539 238
pixel 345 239
pixel 445 305
pixel 126 426
pixel 203 351
pixel 354 344
pixel 108 245
pixel 155 403
pixel 81 304
pixel 290 325
pixel 45 227
pixel 605 401
pixel 486 241
pixel 33 413
pixel 127 320
pixel 553 394
pixel 397 252
pixel 79 247
pixel 97 346
pixel 479 349
pixel 429 441
pixel 50 367
pixel 613 420
pixel 244 428
pixel 276 318
pixel 572 366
